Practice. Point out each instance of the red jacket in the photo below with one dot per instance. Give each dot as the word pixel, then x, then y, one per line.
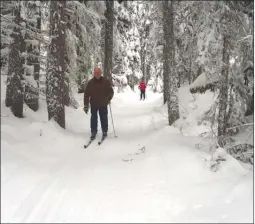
pixel 142 85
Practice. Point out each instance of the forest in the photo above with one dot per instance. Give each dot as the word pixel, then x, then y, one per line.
pixel 49 50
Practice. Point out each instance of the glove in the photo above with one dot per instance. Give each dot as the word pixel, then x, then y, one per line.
pixel 86 109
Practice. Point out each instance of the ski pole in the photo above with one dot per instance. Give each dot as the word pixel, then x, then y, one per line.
pixel 112 121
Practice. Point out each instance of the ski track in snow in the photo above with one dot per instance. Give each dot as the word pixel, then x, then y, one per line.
pixel 47 175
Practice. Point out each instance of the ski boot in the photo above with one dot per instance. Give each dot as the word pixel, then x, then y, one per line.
pixel 93 136
pixel 104 134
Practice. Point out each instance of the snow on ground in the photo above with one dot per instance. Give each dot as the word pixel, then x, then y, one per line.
pixel 47 175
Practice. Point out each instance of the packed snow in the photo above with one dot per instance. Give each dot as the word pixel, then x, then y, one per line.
pixel 150 173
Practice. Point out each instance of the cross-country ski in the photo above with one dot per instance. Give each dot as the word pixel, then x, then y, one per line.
pixel 101 140
pixel 88 144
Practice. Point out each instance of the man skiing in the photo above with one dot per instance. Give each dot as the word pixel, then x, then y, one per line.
pixel 98 93
pixel 142 88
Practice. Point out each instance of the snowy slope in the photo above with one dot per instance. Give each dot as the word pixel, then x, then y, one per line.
pixel 47 175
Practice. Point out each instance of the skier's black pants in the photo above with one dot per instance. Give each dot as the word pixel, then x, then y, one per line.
pixel 103 114
pixel 142 94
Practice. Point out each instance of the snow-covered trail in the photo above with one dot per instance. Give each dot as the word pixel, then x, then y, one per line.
pixel 47 175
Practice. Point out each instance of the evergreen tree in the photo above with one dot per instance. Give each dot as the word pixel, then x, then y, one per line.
pixel 56 64
pixel 108 46
pixel 169 62
pixel 15 83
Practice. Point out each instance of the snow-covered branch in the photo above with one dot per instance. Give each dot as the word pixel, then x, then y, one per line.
pixel 248 124
pixel 244 38
pixel 36 34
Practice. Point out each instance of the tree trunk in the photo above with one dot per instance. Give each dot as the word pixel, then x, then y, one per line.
pixel 80 51
pixel 71 25
pixel 223 95
pixel 102 42
pixel 14 90
pixel 148 72
pixel 66 90
pixel 108 40
pixel 169 61
pixel 31 96
pixel 190 69
pixel 179 79
pixel 56 65
pixel 142 56
pixel 165 76
pixel 230 102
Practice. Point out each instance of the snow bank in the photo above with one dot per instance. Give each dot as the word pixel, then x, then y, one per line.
pixel 192 107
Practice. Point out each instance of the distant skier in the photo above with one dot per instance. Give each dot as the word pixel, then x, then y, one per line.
pixel 98 93
pixel 142 88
